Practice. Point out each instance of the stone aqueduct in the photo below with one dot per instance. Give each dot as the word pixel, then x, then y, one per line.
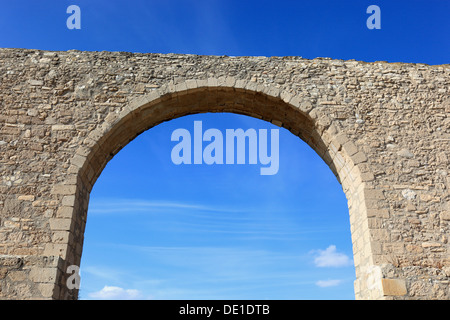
pixel 382 128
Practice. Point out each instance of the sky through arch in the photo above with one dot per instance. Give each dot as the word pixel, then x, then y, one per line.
pixel 157 230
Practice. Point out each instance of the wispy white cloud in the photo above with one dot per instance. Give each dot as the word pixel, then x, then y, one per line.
pixel 217 261
pixel 219 264
pixel 102 272
pixel 136 205
pixel 328 283
pixel 116 293
pixel 242 222
pixel 331 258
pixel 139 205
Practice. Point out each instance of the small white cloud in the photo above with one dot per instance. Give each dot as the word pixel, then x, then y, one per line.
pixel 331 258
pixel 116 293
pixel 328 283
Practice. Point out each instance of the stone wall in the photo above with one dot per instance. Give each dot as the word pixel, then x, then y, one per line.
pixel 383 129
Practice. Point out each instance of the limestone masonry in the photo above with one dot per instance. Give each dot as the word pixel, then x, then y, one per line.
pixel 382 128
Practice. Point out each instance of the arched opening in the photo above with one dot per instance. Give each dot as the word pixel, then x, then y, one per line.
pixel 292 112
pixel 163 231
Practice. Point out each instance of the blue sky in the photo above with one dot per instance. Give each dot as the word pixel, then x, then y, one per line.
pixel 156 230
pixel 411 30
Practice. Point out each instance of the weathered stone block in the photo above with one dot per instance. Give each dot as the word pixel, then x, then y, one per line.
pixel 64 189
pixel 46 275
pixel 393 287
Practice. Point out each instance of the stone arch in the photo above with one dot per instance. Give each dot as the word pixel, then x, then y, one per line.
pixel 381 127
pixel 170 101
